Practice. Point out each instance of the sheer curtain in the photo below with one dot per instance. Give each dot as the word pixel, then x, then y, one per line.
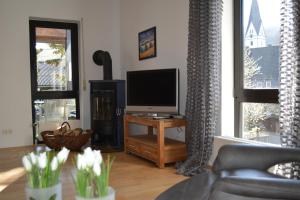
pixel 289 98
pixel 204 83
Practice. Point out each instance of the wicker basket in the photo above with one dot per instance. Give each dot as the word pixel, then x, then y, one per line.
pixel 58 139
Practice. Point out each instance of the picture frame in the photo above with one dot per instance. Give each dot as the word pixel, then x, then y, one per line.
pixel 147 43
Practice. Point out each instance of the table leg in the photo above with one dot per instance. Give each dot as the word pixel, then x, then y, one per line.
pixel 161 144
pixel 150 130
pixel 125 134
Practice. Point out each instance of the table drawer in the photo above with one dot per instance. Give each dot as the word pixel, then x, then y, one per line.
pixel 149 152
pixel 133 146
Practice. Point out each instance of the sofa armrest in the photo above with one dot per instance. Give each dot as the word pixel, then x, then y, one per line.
pixel 242 156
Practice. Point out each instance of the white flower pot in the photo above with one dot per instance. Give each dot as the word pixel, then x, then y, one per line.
pixel 50 193
pixel 110 196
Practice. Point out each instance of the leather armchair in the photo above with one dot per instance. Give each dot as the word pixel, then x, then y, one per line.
pixel 240 172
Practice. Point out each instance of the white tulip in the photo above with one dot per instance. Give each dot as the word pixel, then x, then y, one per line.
pixel 26 163
pixel 98 157
pixel 97 169
pixel 62 156
pixel 89 157
pixel 81 163
pixel 33 158
pixel 87 150
pixel 42 160
pixel 54 164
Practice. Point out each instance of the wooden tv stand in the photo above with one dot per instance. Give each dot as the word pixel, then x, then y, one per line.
pixel 154 147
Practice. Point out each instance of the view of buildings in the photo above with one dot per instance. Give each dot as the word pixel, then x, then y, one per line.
pixel 54 73
pixel 261 69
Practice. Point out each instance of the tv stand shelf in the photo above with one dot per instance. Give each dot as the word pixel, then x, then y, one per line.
pixel 153 147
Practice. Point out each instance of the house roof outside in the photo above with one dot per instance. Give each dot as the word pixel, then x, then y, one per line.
pixel 254 17
pixel 51 35
pixel 50 76
pixel 47 75
pixel 268 59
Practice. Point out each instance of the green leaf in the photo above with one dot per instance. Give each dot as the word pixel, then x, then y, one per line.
pixel 31 198
pixel 53 197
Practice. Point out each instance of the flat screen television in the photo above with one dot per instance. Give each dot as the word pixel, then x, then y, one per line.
pixel 153 91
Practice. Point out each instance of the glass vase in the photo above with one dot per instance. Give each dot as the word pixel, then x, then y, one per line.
pixel 49 193
pixel 110 196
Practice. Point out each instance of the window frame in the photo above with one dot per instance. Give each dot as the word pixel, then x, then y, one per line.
pixel 242 95
pixel 70 94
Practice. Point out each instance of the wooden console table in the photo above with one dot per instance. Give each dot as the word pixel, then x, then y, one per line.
pixel 154 147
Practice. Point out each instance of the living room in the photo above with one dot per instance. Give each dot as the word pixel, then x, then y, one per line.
pixel 112 26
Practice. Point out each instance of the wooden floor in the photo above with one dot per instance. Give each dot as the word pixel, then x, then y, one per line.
pixel 133 178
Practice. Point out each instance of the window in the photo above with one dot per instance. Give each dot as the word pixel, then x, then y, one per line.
pixel 259 84
pixel 54 71
pixel 257 70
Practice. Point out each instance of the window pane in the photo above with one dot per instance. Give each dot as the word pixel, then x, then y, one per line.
pixel 260 122
pixel 55 110
pixel 54 67
pixel 261 20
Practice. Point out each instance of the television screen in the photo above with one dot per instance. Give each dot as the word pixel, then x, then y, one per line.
pixel 152 88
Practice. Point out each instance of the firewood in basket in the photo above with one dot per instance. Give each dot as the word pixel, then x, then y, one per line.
pixel 77 131
pixel 69 133
pixel 64 129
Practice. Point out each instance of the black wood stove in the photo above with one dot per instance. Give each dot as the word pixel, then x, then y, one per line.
pixel 107 107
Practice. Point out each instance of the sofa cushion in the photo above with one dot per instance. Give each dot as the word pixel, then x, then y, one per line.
pixel 195 188
pixel 257 184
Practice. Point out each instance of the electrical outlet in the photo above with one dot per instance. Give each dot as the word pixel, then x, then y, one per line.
pixel 6 131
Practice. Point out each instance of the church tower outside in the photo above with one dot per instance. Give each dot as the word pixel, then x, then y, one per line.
pixel 255 34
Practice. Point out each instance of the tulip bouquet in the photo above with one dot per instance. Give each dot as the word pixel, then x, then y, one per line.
pixel 92 176
pixel 43 169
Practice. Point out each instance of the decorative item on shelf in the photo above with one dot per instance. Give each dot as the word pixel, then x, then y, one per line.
pixel 147 43
pixel 66 137
pixel 92 176
pixel 43 171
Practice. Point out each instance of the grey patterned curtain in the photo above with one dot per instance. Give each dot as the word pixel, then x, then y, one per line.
pixel 289 98
pixel 203 82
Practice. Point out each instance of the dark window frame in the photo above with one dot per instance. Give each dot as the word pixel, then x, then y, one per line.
pixel 242 95
pixel 71 94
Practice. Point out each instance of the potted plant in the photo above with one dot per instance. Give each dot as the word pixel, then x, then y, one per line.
pixel 43 170
pixel 92 176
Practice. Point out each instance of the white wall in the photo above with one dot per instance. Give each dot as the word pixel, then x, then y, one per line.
pixel 227 70
pixel 171 20
pixel 101 31
pixel 111 25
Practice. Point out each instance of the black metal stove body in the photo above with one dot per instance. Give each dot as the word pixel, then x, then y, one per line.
pixel 107 111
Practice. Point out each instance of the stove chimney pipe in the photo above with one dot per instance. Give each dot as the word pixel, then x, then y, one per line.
pixel 103 58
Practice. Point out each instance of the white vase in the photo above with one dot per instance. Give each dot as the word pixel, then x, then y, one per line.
pixel 49 193
pixel 110 196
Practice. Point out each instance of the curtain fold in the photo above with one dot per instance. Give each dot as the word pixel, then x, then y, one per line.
pixel 203 83
pixel 289 94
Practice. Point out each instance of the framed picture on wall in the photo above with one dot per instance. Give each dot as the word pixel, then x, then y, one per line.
pixel 147 43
